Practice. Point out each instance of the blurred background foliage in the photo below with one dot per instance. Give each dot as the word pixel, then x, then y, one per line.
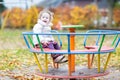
pixel 19 18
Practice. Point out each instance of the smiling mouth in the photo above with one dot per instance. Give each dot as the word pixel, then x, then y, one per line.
pixel 45 21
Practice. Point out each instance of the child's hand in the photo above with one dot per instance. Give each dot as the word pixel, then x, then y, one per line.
pixel 55 42
pixel 44 43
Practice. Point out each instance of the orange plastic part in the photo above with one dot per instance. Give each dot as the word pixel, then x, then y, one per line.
pixel 72 56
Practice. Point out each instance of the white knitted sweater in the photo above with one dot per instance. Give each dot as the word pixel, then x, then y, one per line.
pixel 42 27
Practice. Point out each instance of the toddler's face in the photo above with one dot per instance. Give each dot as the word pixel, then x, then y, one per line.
pixel 45 17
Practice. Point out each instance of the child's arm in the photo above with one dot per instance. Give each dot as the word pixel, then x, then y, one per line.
pixel 37 28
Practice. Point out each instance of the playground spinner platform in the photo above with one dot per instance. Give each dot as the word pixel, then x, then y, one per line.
pixel 70 70
pixel 81 72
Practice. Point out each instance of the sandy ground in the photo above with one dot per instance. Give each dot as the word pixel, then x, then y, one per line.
pixel 29 73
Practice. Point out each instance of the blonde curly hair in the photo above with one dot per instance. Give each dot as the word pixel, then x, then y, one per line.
pixel 46 11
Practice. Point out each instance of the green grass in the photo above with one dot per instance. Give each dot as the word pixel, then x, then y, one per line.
pixel 14 52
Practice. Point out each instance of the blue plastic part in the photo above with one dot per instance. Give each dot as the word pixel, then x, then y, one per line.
pixel 26 41
pixel 68 36
pixel 117 43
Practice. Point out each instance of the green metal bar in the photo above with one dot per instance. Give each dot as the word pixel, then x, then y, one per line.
pixel 31 40
pixel 103 37
pixel 114 39
pixel 39 43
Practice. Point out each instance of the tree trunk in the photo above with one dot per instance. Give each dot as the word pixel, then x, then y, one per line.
pixel 110 13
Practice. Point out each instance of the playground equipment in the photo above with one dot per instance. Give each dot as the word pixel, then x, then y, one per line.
pixel 66 71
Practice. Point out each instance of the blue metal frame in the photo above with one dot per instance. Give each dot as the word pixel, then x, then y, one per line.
pixel 99 32
pixel 95 31
pixel 68 51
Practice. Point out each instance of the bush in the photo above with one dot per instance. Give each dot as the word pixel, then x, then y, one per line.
pixel 19 18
